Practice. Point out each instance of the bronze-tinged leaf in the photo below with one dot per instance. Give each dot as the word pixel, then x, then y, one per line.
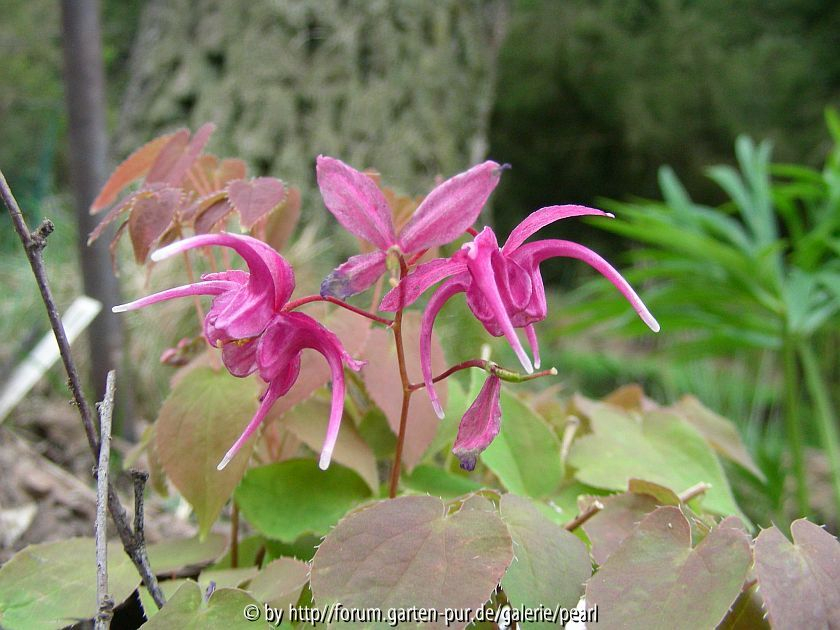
pixel 151 216
pixel 201 177
pixel 207 213
pixel 254 199
pixel 656 580
pixel 612 525
pixel 189 155
pixel 201 418
pixel 382 380
pixel 631 398
pixel 168 156
pixel 125 206
pixel 550 564
pixel 131 169
pixel 230 169
pixel 407 552
pixel 280 224
pixel 280 582
pixel 799 581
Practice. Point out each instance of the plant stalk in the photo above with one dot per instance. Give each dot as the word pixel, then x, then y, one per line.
pixel 406 387
pixel 794 434
pixel 826 416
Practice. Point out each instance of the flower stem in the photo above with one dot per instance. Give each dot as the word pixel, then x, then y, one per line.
pixel 826 417
pixel 406 387
pixel 290 306
pixel 488 366
pixel 794 434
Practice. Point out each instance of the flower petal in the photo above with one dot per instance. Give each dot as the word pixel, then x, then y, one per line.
pixel 535 345
pixel 283 342
pixel 354 276
pixel 356 201
pixel 541 250
pixel 479 255
pixel 206 287
pixel 542 217
pixel 480 424
pixel 273 392
pixel 450 208
pixel 444 292
pixel 270 284
pixel 416 283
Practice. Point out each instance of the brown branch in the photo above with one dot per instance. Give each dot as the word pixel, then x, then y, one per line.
pixel 396 328
pixel 104 601
pixel 33 244
pixel 584 516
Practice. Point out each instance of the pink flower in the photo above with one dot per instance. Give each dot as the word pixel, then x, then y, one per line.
pixel 248 321
pixel 503 285
pixel 359 205
pixel 480 424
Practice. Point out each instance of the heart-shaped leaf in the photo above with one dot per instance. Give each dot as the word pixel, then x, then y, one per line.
pixel 188 610
pixel 151 216
pixel 612 525
pixel 168 556
pixel 205 413
pixel 408 551
pixel 550 564
pixel 53 585
pixel 662 448
pixel 256 198
pixel 799 581
pixel 280 582
pixel 655 579
pixel 525 455
pixel 132 168
pixel 308 422
pixel 294 497
pixel 382 380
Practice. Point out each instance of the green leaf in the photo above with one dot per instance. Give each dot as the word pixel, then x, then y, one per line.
pixel 799 581
pixel 747 613
pixel 719 432
pixel 187 610
pixel 167 587
pixel 170 555
pixel 408 551
pixel 550 565
pixel 227 578
pixel 198 423
pixel 656 580
pixel 308 422
pixel 53 584
pixel 249 549
pixel 437 482
pixel 525 455
pixel 280 582
pixel 294 497
pixel 662 448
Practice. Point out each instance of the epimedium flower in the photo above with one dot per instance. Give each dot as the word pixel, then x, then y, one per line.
pixel 480 424
pixel 360 206
pixel 503 285
pixel 248 320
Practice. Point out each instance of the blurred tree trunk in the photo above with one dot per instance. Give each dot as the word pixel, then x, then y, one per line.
pixel 84 81
pixel 402 86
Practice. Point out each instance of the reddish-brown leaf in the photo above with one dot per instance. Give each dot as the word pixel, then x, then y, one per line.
pixel 229 170
pixel 208 212
pixel 168 156
pixel 132 168
pixel 799 581
pixel 150 217
pixel 190 154
pixel 256 198
pixel 280 224
pixel 126 206
pixel 382 379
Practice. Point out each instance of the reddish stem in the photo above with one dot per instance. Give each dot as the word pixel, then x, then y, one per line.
pixel 472 231
pixel 406 386
pixel 290 306
pixel 413 260
pixel 479 363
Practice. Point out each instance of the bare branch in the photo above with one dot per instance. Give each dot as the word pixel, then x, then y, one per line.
pixel 33 244
pixel 584 516
pixel 104 601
